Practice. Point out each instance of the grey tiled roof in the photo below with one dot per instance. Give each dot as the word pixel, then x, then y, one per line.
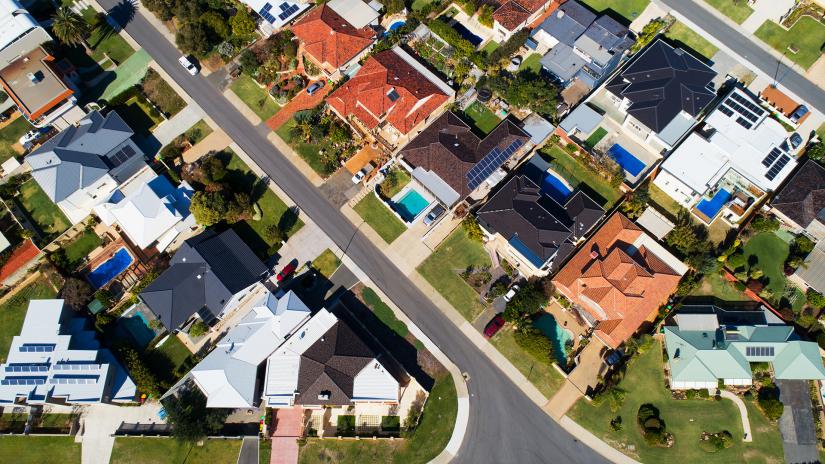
pixel 568 22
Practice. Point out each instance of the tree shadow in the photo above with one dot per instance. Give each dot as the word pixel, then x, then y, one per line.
pixel 122 14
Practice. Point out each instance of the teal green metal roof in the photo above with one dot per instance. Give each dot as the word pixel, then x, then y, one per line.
pixel 799 361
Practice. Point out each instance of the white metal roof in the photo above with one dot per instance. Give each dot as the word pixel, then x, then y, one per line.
pixel 15 21
pixel 374 383
pixel 355 12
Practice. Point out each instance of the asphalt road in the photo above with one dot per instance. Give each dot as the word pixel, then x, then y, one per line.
pixel 744 46
pixel 505 426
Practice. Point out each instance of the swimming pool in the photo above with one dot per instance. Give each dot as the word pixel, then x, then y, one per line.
pixel 110 268
pixel 626 159
pixel 557 334
pixel 554 186
pixel 710 208
pixel 463 31
pixel 410 205
pixel 396 25
pixel 137 327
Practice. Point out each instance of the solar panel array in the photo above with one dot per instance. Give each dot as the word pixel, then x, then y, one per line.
pixel 36 348
pixel 393 95
pixel 756 109
pixel 747 110
pixel 73 380
pixel 726 111
pixel 76 366
pixel 121 156
pixel 27 368
pixel 758 351
pixel 774 170
pixel 23 381
pixel 492 161
pixel 264 12
pixel 772 156
pixel 287 10
pixel 741 121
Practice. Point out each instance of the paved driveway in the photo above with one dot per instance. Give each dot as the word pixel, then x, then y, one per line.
pixel 249 451
pixel 797 422
pixel 338 188
pixel 302 101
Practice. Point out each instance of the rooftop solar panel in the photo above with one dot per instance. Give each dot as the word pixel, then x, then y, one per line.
pixel 774 170
pixel 492 161
pixel 772 156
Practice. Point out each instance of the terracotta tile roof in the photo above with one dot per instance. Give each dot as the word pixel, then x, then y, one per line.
pixel 619 286
pixel 779 100
pixel 329 38
pixel 388 88
pixel 513 13
pixel 21 255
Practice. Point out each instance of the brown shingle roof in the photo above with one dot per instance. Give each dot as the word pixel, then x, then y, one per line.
pixel 802 199
pixel 329 38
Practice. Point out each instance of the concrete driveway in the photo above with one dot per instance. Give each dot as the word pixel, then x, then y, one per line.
pixel 797 422
pixel 338 188
pixel 249 451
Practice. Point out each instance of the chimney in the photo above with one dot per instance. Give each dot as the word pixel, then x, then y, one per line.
pixel 594 254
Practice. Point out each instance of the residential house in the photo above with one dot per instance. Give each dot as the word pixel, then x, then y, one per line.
pixel 391 96
pixel 82 166
pixel 207 277
pixel 534 224
pixel 619 279
pixel 276 14
pixel 736 157
pixel 800 203
pixel 452 162
pixel 706 344
pixel 661 93
pixel 513 15
pixel 792 111
pixel 56 359
pixel 810 275
pixel 337 35
pixel 149 210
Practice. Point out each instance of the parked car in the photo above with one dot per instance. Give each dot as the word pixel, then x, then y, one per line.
pixel 188 66
pixel 434 214
pixel 31 137
pixel 494 326
pixel 315 87
pixel 359 176
pixel 511 293
pixel 798 113
pixel 515 62
pixel 614 357
pixel 796 140
pixel 287 271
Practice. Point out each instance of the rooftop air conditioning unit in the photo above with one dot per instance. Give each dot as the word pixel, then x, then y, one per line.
pixel 324 396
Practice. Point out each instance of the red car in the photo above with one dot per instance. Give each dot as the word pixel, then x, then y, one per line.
pixel 287 271
pixel 494 326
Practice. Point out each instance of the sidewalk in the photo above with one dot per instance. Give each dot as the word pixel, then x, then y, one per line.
pixel 178 124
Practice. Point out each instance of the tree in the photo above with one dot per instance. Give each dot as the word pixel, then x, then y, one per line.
pixel 649 31
pixel 485 15
pixel 471 227
pixel 192 39
pixel 243 26
pixel 535 343
pixel 816 152
pixel 249 62
pixel 69 27
pixel 216 24
pixel 393 6
pixel 213 170
pixel 209 208
pixel 198 329
pixel 190 418
pixel 528 300
pixel 304 122
pixel 769 402
pixel 763 223
pixel 161 8
pixel 815 299
pixel 144 378
pixel 527 90
pixel 76 293
pixel 636 201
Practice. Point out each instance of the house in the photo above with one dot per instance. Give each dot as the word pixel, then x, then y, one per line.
pixel 207 277
pixel 800 203
pixel 811 274
pixel 276 14
pixel 736 157
pixel 706 344
pixel 56 359
pixel 149 210
pixel 619 279
pixel 451 162
pixel 392 96
pixel 583 47
pixel 305 359
pixel 793 111
pixel 513 15
pixel 661 93
pixel 83 165
pixel 336 35
pixel 529 226
pixel 39 88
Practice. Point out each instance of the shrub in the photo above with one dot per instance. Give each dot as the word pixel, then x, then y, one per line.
pixel 171 152
pixel 768 400
pixel 713 442
pixel 764 224
pixel 815 299
pixel 470 225
pixel 160 93
pixel 652 426
pixel 616 423
pixel 535 343
pixel 198 329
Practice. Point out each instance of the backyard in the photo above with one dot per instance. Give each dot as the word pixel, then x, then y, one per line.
pixel 577 173
pixel 686 38
pixel 542 375
pixel 685 419
pixel 805 38
pixel 442 268
pixel 768 252
pixel 532 63
pixel 482 118
pixel 255 97
pixel 378 215
pixel 13 311
pixel 174 350
pixel 628 9
pixel 715 285
pixel 326 263
pixel 737 10
pixel 39 450
pixel 40 208
pixel 10 135
pixel 161 450
pixel 81 246
pixel 666 204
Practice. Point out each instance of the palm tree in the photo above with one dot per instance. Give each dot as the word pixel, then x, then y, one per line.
pixel 69 27
pixel 303 126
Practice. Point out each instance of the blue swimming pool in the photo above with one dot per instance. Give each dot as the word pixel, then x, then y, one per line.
pixel 110 268
pixel 463 31
pixel 396 25
pixel 555 187
pixel 626 159
pixel 557 335
pixel 411 205
pixel 137 327
pixel 710 208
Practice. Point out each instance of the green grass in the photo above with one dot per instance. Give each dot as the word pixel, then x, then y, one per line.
pixel 40 208
pixel 137 111
pixel 441 269
pixel 737 10
pixel 686 38
pixel 81 246
pixel 490 47
pixel 199 131
pixel 807 35
pixel 713 284
pixel 104 41
pixel 576 173
pixel 378 215
pixel 482 118
pixel 264 451
pixel 685 419
pixel 595 137
pixel 417 5
pixel 821 131
pixel 128 450
pixel 13 311
pixel 127 75
pixel 430 438
pixel 255 97
pixel 628 9
pixel 769 252
pixel 532 63
pixel 39 450
pixel 10 135
pixel 664 201
pixel 394 182
pixel 541 374
pixel 175 350
pixel 383 312
pixel 309 152
pixel 326 263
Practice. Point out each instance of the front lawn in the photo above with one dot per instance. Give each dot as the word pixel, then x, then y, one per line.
pixel 161 94
pixel 104 41
pixel 378 215
pixel 197 132
pixel 482 118
pixel 737 10
pixel 255 97
pixel 137 111
pixel 10 135
pixel 628 9
pixel 40 208
pixel 806 36
pixel 442 268
pixel 686 38
pixel 532 63
pixel 161 450
pixel 541 374
pixel 685 419
pixel 315 154
pixel 81 246
pixel 39 450
pixel 13 311
pixel 384 313
pixel 326 263
pixel 577 173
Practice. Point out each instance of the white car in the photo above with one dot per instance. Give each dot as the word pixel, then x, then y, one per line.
pixel 510 294
pixel 190 68
pixel 358 176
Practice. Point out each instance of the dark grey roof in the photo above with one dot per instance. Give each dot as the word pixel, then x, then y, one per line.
pixel 604 39
pixel 661 82
pixel 568 22
pixel 204 274
pixel 330 365
pixel 802 198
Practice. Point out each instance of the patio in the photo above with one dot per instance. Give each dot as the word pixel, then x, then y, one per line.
pixel 618 134
pixel 569 320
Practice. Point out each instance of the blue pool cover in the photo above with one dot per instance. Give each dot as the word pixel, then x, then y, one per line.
pixel 410 205
pixel 711 207
pixel 626 159
pixel 111 268
pixel 555 188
